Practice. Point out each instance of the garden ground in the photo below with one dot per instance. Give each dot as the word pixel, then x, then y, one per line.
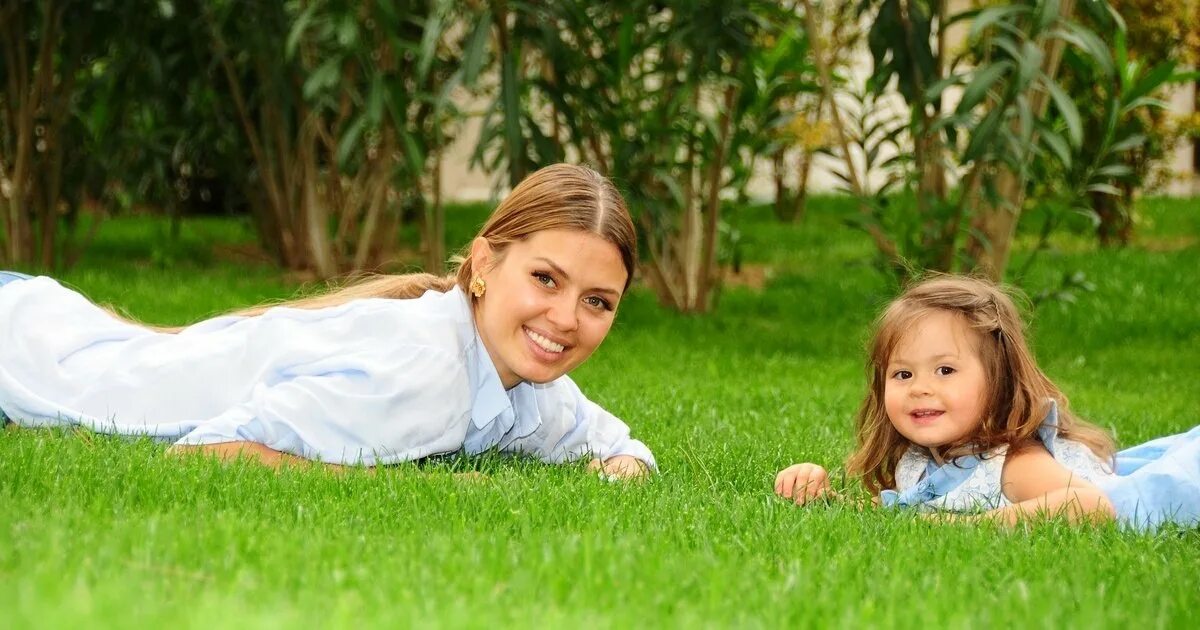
pixel 111 532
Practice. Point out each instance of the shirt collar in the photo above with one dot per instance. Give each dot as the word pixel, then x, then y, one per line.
pixel 492 400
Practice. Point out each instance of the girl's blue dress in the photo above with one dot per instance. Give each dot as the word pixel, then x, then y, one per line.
pixel 1158 482
pixel 1154 483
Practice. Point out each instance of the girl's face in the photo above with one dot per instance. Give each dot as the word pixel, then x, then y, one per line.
pixel 936 388
pixel 550 301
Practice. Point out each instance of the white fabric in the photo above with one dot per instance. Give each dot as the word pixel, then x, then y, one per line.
pixel 981 488
pixel 374 381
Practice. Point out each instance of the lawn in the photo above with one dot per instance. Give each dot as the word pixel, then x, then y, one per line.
pixel 109 532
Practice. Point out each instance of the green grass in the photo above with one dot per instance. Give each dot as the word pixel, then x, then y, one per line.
pixel 111 532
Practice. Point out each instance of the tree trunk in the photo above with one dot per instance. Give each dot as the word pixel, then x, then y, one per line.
pixel 885 245
pixel 709 272
pixel 435 223
pixel 994 225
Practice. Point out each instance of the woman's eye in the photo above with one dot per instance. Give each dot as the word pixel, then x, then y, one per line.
pixel 597 302
pixel 944 370
pixel 544 279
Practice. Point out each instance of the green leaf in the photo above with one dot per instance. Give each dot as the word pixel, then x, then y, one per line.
pixel 376 96
pixel 429 41
pixel 347 35
pixel 325 76
pixel 1069 112
pixel 1114 171
pixel 412 151
pixel 475 52
pixel 991 16
pixel 1047 13
pixel 348 143
pixel 625 42
pixel 1157 77
pixel 1107 189
pixel 1147 102
pixel 983 136
pixel 1126 144
pixel 1088 43
pixel 933 92
pixel 298 29
pixel 1057 145
pixel 978 88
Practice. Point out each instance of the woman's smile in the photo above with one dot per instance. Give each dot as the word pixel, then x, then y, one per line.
pixel 544 345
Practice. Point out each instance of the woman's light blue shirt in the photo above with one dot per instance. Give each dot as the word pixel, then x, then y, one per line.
pixel 373 381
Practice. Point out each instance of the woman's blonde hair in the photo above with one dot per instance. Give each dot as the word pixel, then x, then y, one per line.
pixel 557 197
pixel 1018 391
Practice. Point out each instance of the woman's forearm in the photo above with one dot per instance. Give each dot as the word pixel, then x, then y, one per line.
pixel 250 450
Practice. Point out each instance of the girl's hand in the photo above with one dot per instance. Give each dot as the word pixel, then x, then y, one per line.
pixel 620 467
pixel 802 483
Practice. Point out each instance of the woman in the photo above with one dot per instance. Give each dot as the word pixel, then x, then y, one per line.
pixel 393 369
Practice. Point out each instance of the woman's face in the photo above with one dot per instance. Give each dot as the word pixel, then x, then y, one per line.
pixel 550 301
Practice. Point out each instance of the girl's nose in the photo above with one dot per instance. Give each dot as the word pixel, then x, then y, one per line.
pixel 919 387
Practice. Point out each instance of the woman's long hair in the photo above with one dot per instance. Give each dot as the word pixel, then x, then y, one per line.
pixel 1018 391
pixel 557 197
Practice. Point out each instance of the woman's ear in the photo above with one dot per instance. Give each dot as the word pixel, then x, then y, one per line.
pixel 481 256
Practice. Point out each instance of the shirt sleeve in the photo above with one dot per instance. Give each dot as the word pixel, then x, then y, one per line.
pixel 573 427
pixel 364 412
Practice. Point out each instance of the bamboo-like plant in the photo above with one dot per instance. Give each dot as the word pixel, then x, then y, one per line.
pixel 345 108
pixel 45 46
pixel 655 94
pixel 968 167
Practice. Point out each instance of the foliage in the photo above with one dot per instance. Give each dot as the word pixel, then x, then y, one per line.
pixel 50 50
pixel 1118 102
pixel 1012 107
pixel 345 108
pixel 326 118
pixel 668 98
pixel 1157 37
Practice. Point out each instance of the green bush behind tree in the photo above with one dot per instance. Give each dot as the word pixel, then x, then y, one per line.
pixel 327 120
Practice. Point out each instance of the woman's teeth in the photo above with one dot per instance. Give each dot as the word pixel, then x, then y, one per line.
pixel 544 343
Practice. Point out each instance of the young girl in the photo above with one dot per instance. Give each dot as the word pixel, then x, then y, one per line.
pixel 393 369
pixel 960 418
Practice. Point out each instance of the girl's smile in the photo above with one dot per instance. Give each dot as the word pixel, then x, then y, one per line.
pixel 925 416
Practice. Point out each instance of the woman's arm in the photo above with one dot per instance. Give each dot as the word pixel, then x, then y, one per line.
pixel 250 450
pixel 1039 486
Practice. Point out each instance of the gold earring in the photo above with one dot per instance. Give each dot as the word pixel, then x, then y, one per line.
pixel 478 287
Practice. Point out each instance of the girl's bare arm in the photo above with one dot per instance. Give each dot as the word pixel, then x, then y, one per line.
pixel 1039 486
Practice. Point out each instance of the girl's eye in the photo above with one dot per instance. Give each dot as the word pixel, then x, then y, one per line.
pixel 597 302
pixel 544 279
pixel 944 370
pixel 902 375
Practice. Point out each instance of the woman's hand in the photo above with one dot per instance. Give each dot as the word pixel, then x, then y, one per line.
pixel 802 483
pixel 620 467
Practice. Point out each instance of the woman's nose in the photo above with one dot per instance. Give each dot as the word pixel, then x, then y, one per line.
pixel 562 314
